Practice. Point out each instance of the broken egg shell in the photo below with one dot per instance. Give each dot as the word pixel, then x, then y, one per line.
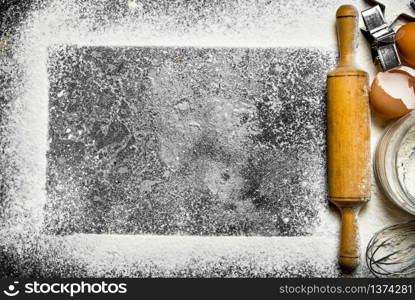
pixel 405 42
pixel 392 93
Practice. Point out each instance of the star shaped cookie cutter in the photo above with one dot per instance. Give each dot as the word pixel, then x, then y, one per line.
pixel 379 32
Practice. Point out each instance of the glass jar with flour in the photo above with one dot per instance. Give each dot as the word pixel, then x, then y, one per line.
pixel 394 162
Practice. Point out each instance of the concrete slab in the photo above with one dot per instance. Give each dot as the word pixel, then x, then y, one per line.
pixel 199 141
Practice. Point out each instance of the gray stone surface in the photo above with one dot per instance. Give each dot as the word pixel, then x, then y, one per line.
pixel 199 141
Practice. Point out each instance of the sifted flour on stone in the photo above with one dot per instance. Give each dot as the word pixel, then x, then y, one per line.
pixel 203 24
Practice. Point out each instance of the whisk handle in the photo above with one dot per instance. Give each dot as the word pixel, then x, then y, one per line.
pixel 349 255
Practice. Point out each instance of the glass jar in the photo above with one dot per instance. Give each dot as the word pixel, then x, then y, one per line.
pixel 394 162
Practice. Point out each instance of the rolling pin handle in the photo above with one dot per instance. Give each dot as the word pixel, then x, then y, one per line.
pixel 347 34
pixel 349 245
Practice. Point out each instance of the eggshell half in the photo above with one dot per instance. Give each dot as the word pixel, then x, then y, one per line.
pixel 392 93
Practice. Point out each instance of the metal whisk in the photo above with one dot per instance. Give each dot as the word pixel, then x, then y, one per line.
pixel 391 251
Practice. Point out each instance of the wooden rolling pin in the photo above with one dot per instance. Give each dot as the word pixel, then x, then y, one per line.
pixel 348 137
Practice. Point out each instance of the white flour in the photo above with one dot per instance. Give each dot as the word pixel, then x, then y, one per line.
pixel 242 24
pixel 406 162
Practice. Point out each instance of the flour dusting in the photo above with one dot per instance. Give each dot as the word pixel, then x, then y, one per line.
pixel 53 42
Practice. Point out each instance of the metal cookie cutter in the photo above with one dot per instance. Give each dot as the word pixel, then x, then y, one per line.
pixel 380 35
pixel 381 38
